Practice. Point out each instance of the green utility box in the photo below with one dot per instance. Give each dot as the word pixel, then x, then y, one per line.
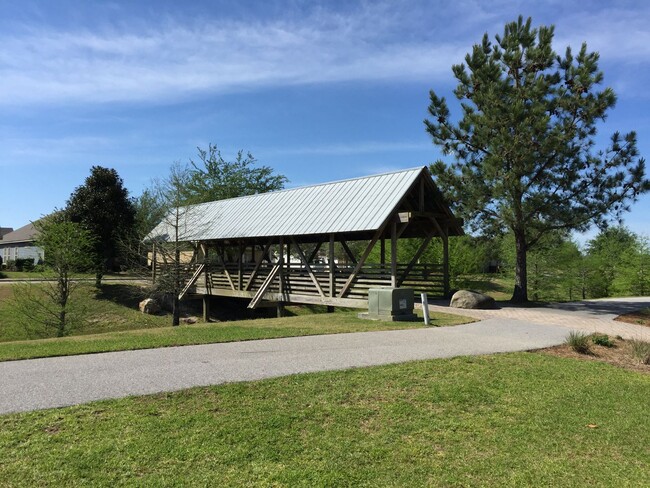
pixel 388 303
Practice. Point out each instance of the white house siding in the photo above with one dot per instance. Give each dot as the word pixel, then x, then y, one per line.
pixel 18 251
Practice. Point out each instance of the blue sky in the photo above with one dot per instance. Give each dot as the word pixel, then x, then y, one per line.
pixel 319 91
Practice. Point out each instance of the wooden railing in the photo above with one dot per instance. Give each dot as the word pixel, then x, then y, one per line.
pixel 427 278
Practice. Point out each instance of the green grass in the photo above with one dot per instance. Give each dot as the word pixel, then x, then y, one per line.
pixel 508 420
pixel 117 325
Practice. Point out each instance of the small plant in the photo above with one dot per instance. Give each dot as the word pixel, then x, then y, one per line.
pixel 602 340
pixel 640 350
pixel 579 342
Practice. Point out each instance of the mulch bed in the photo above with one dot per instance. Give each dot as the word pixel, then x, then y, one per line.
pixel 619 355
pixel 639 317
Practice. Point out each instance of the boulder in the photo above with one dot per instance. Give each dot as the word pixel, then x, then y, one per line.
pixel 472 300
pixel 149 306
pixel 189 320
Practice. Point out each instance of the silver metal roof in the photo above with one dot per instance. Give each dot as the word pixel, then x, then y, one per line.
pixel 360 204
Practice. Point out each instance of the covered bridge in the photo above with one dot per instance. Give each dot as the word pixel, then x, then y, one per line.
pixel 296 245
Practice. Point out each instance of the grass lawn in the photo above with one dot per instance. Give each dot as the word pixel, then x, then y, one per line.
pixel 117 325
pixel 520 419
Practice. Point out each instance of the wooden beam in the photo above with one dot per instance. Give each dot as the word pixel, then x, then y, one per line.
pixel 257 266
pixel 309 270
pixel 315 252
pixel 445 261
pixel 193 279
pixel 292 298
pixel 240 267
pixel 154 262
pixel 347 250
pixel 364 256
pixel 393 254
pixel 267 283
pixel 417 256
pixel 382 253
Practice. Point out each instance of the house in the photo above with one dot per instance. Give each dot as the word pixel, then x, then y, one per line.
pixel 19 244
pixel 266 246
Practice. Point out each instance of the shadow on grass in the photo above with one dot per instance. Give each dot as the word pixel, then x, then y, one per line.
pixel 126 295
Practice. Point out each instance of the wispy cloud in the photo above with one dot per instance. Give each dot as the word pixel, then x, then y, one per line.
pixel 172 57
pixel 177 59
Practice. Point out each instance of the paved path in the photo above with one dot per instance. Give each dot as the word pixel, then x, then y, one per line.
pixel 587 315
pixel 54 382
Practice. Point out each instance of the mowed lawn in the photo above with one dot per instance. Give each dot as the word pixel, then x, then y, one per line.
pixel 117 325
pixel 522 419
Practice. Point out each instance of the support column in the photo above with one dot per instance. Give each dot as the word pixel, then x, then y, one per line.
pixel 240 267
pixel 280 305
pixel 332 271
pixel 393 254
pixel 206 308
pixel 154 258
pixel 445 260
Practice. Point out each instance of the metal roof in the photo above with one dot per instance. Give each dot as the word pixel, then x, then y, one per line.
pixel 355 205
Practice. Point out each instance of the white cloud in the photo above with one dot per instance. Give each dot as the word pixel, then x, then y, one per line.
pixel 172 60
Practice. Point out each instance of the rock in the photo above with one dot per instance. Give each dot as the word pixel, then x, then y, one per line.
pixel 189 320
pixel 149 306
pixel 472 300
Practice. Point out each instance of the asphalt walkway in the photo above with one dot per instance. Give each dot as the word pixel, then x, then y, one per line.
pixel 56 382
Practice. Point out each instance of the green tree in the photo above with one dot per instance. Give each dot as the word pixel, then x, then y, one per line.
pixel 524 146
pixel 213 178
pixel 102 205
pixel 610 256
pixel 68 249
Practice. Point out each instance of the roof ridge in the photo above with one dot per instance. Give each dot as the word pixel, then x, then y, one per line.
pixel 326 183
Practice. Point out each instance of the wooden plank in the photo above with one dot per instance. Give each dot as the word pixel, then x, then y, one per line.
pixel 293 298
pixel 240 266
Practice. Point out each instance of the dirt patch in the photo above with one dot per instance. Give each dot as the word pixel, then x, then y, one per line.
pixel 619 355
pixel 640 317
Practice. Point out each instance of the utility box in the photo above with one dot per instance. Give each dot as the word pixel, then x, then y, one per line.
pixel 392 304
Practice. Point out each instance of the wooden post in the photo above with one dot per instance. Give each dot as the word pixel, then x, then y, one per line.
pixel 330 259
pixel 393 255
pixel 382 254
pixel 206 308
pixel 240 267
pixel 280 305
pixel 154 258
pixel 445 260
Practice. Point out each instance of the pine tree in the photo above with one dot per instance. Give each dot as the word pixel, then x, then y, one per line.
pixel 524 146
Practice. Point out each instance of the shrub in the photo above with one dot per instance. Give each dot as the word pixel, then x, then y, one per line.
pixel 602 340
pixel 579 342
pixel 640 350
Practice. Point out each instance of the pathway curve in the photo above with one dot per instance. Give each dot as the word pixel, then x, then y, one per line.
pixel 586 315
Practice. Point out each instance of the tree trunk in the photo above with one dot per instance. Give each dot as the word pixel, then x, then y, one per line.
pixel 176 312
pixel 60 330
pixel 98 279
pixel 520 295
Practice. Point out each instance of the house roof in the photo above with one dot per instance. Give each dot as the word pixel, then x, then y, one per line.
pixel 4 231
pixel 348 206
pixel 27 233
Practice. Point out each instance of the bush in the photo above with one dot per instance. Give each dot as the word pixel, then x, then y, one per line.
pixel 602 340
pixel 640 350
pixel 579 342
